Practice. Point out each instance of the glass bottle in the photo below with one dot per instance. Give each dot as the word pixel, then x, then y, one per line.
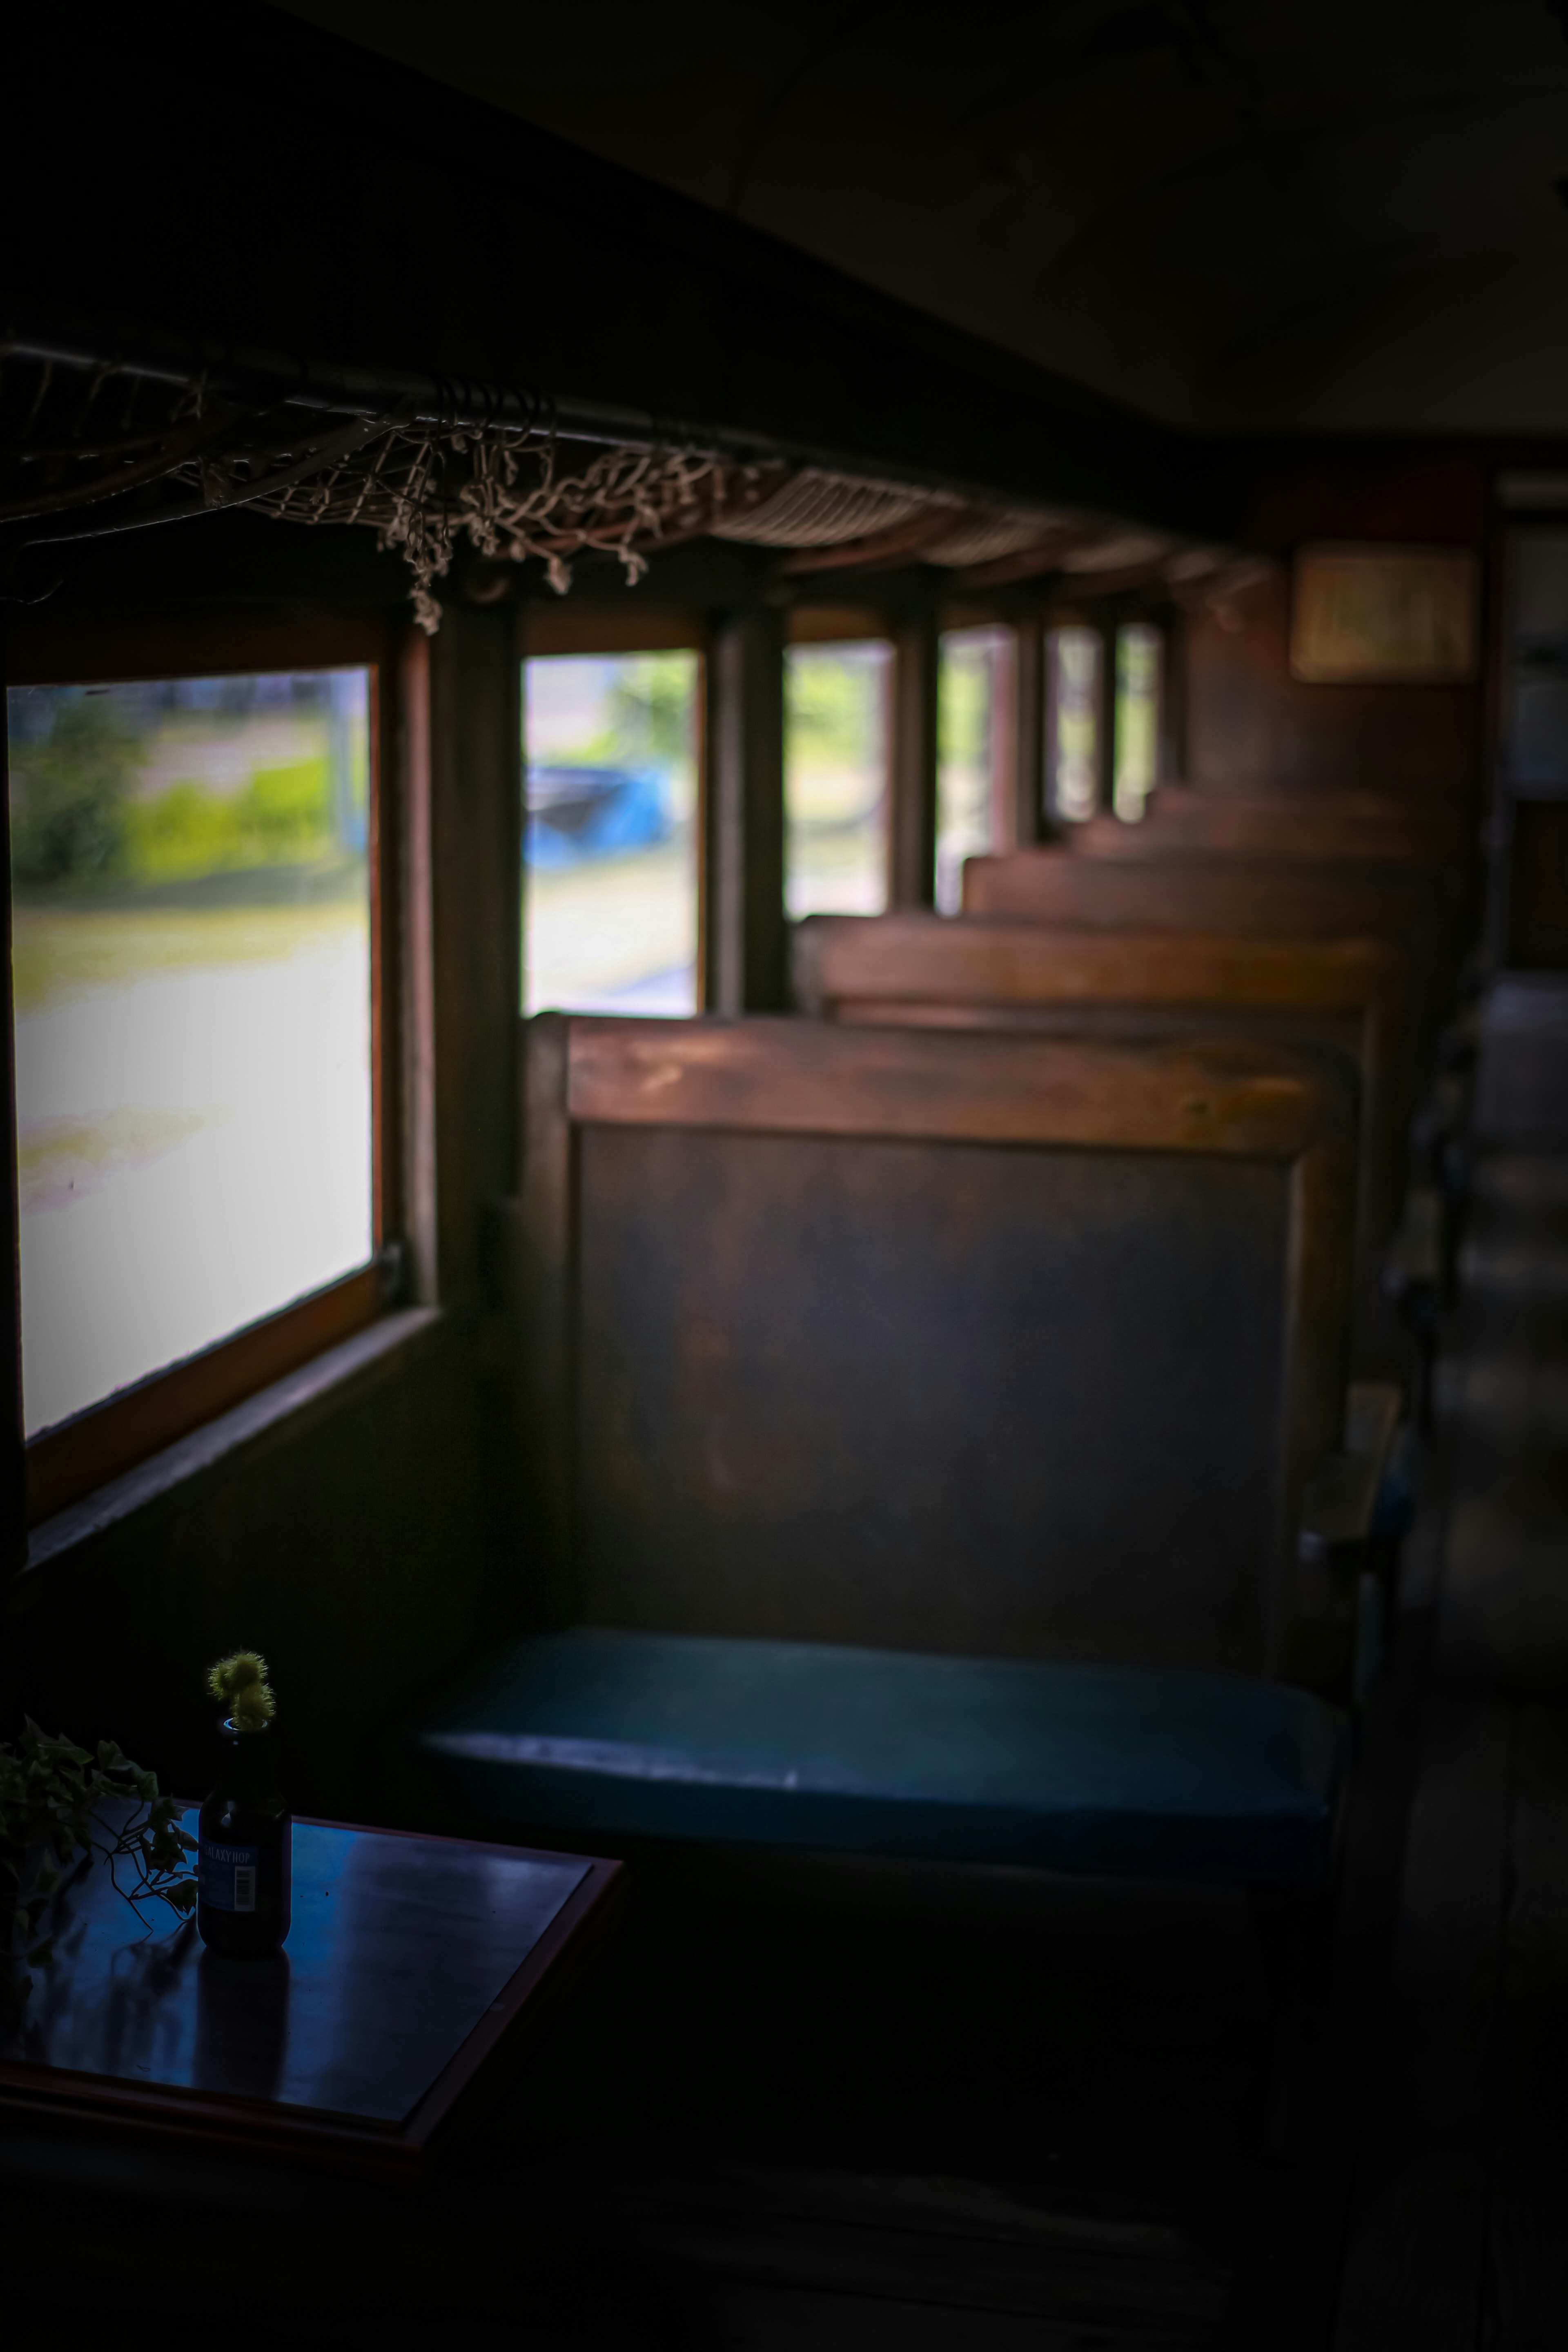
pixel 243 1863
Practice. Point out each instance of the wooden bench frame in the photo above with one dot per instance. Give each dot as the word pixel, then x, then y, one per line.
pixel 937 971
pixel 783 1076
pixel 1310 842
pixel 1327 828
pixel 1257 896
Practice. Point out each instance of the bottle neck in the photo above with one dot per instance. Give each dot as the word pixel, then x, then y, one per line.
pixel 249 1763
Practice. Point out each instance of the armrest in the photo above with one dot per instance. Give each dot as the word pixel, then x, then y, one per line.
pixel 1445 1114
pixel 1413 1263
pixel 1342 1531
pixel 1340 1501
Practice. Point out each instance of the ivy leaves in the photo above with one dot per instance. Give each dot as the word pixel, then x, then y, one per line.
pixel 59 1803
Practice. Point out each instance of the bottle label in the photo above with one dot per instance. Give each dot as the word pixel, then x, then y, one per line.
pixel 226 1876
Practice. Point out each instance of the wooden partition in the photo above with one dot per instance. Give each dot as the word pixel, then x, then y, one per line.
pixel 1326 828
pixel 1352 995
pixel 1252 894
pixel 994 1345
pixel 1256 898
pixel 1341 837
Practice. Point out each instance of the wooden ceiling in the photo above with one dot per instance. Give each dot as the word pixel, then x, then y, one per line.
pixel 1235 215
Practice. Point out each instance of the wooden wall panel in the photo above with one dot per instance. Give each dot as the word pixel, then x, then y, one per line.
pixel 347 1544
pixel 1249 722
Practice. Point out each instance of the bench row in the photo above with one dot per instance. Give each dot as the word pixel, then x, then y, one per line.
pixel 954 1424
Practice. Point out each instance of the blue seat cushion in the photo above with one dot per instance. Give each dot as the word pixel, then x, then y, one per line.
pixel 1111 1771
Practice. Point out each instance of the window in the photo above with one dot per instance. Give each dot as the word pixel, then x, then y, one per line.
pixel 1138 651
pixel 836 777
pixel 973 777
pixel 610 836
pixel 192 971
pixel 1073 751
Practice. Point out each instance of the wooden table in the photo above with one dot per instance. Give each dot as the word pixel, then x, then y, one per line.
pixel 409 1960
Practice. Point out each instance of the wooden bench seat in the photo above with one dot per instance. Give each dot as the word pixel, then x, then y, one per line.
pixel 932 1443
pixel 973 1759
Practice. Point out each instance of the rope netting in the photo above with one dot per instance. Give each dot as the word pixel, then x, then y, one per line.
pixel 818 510
pixel 75 438
pixel 508 494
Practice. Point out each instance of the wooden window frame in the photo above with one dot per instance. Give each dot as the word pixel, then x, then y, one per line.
pixel 837 624
pixel 547 633
pixel 568 628
pixel 76 1456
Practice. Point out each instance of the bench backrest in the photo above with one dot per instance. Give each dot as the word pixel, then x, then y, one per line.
pixel 1292 832
pixel 932 970
pixel 1329 828
pixel 987 1344
pixel 1231 895
pixel 1054 884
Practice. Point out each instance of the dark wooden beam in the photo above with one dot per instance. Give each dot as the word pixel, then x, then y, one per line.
pixel 1028 812
pixel 745 964
pixel 912 764
pixel 1174 699
pixel 1109 730
pixel 463 919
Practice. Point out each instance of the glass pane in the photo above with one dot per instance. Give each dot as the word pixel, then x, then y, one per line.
pixel 192 961
pixel 1139 649
pixel 835 778
pixel 610 838
pixel 972 772
pixel 1075 724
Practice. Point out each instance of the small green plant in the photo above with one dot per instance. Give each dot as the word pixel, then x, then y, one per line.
pixel 59 1803
pixel 239 1684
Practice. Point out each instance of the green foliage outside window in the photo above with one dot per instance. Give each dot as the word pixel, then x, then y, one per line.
pixel 651 706
pixel 647 718
pixel 834 709
pixel 76 818
pixel 282 814
pixel 70 797
pixel 963 709
pixel 1138 650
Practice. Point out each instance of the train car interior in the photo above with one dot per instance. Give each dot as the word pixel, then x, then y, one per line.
pixel 786 1557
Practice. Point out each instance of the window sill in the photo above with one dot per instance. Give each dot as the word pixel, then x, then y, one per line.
pixel 162 1476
